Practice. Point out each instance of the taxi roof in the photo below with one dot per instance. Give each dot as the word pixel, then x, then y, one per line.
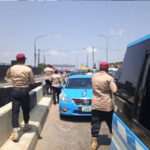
pixel 80 76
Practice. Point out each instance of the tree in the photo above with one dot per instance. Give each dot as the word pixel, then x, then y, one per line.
pixel 94 66
pixel 42 66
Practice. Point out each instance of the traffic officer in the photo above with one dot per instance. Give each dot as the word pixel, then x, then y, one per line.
pixel 61 76
pixel 102 105
pixel 89 72
pixel 56 81
pixel 65 76
pixel 48 73
pixel 21 77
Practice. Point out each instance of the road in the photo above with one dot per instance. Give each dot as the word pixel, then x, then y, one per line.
pixel 71 133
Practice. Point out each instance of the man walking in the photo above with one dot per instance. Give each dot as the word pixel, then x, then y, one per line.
pixel 102 106
pixel 65 76
pixel 56 80
pixel 89 72
pixel 21 77
pixel 48 74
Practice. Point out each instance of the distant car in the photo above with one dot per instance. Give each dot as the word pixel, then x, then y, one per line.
pixel 74 73
pixel 112 71
pixel 76 96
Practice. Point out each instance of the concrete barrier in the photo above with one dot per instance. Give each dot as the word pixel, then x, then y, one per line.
pixel 28 140
pixel 5 114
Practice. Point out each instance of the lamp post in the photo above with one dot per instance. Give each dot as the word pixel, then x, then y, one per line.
pixel 44 58
pixel 106 38
pixel 35 47
pixel 87 60
pixel 86 50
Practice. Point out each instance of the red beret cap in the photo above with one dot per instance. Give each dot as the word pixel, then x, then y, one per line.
pixel 56 70
pixel 104 65
pixel 20 56
pixel 48 65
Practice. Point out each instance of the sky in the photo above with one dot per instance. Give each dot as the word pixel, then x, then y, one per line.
pixel 67 31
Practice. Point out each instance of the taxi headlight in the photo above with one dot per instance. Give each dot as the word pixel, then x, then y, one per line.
pixel 64 99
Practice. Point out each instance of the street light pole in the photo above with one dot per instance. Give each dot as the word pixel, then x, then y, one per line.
pixel 86 51
pixel 87 59
pixel 35 47
pixel 106 38
pixel 93 56
pixel 44 60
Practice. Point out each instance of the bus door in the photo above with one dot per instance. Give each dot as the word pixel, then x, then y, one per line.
pixel 141 121
pixel 136 134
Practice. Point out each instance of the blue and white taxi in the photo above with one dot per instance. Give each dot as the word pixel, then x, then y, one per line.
pixel 75 98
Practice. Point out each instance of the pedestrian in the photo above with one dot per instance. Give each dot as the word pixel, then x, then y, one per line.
pixel 48 73
pixel 89 72
pixel 102 105
pixel 21 77
pixel 56 81
pixel 65 76
pixel 61 76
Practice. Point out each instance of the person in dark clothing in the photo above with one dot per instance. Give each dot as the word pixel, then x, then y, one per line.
pixel 21 77
pixel 102 105
pixel 56 81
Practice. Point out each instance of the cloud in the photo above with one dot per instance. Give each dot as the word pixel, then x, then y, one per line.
pixel 90 49
pixel 57 36
pixel 116 32
pixel 56 52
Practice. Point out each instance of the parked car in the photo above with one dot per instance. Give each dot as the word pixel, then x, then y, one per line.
pixel 76 96
pixel 112 71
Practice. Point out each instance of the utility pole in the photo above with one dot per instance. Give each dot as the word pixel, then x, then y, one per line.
pixel 87 59
pixel 35 47
pixel 44 60
pixel 106 38
pixel 77 61
pixel 35 52
pixel 93 55
pixel 38 57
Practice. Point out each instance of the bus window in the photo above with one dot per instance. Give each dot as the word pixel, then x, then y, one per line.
pixel 144 117
pixel 141 123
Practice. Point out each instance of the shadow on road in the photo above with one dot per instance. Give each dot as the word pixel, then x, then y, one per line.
pixel 33 129
pixel 77 119
pixel 104 140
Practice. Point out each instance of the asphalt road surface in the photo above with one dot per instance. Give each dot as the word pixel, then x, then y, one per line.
pixel 71 133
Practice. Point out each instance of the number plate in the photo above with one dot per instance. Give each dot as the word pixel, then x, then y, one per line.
pixel 86 109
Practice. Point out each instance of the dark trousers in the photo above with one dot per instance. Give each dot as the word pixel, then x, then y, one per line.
pixel 56 92
pixel 48 86
pixel 20 97
pixel 96 119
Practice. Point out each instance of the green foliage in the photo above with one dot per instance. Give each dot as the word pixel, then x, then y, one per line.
pixel 94 66
pixel 42 66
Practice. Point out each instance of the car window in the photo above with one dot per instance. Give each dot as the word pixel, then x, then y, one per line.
pixel 79 83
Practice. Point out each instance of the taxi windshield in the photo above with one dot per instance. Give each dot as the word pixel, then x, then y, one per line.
pixel 79 83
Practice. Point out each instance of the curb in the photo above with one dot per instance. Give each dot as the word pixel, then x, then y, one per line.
pixel 28 140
